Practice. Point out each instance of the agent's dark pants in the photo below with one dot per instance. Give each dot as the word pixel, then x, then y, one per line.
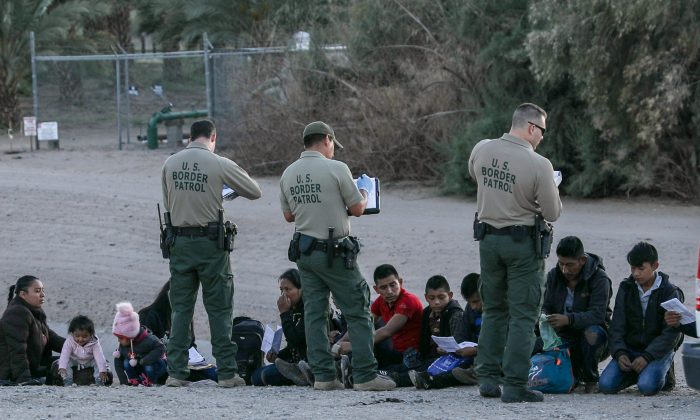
pixel 351 294
pixel 195 261
pixel 512 288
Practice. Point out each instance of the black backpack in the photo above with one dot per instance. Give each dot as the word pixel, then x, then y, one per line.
pixel 248 333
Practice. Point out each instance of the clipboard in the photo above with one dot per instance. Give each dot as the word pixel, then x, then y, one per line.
pixel 373 200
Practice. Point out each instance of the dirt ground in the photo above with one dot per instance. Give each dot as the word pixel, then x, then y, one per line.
pixel 85 222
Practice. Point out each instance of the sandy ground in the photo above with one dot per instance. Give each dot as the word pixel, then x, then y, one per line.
pixel 85 222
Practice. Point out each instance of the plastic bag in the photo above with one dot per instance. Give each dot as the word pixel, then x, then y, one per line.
pixel 550 339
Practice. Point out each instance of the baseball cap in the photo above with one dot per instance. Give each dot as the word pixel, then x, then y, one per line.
pixel 319 127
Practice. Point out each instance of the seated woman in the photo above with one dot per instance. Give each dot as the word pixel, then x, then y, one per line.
pixel 291 308
pixel 26 341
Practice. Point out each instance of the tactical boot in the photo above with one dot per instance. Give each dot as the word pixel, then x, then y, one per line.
pixel 174 382
pixel 379 383
pixel 333 385
pixel 517 395
pixel 489 391
pixel 231 382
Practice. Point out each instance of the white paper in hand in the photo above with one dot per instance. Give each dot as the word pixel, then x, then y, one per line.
pixel 557 177
pixel 272 340
pixel 676 305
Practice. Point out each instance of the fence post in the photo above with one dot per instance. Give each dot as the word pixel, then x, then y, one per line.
pixel 35 91
pixel 207 76
pixel 118 89
pixel 126 91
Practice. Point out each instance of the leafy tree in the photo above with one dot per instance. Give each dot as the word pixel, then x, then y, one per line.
pixel 634 67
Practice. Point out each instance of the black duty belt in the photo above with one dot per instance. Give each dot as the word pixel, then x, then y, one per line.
pixel 323 245
pixel 191 230
pixel 508 230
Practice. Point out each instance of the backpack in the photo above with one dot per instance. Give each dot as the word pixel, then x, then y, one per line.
pixel 247 333
pixel 551 372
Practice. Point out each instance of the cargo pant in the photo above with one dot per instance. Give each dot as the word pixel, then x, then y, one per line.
pixel 195 261
pixel 512 283
pixel 351 294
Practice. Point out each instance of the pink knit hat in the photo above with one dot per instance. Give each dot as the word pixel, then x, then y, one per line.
pixel 126 321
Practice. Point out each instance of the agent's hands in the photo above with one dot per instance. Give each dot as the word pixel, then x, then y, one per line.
pixel 345 348
pixel 62 373
pixel 624 363
pixel 558 321
pixel 673 319
pixel 283 303
pixel 365 183
pixel 271 356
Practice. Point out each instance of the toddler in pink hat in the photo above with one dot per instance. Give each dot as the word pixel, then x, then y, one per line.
pixel 140 358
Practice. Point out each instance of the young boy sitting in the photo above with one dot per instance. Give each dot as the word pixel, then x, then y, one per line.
pixel 443 317
pixel 400 312
pixel 641 343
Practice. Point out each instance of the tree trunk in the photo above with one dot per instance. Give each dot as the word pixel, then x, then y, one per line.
pixel 9 104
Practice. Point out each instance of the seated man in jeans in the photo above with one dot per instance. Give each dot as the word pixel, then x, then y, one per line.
pixel 577 302
pixel 641 343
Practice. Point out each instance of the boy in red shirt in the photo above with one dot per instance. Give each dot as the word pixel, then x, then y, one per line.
pixel 399 312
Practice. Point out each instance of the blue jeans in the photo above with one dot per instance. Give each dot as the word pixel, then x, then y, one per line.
pixel 153 371
pixel 649 381
pixel 588 348
pixel 269 375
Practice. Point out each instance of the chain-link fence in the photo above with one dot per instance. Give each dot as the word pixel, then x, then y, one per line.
pixel 106 101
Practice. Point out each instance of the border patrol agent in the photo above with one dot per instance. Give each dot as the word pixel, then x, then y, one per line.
pixel 514 185
pixel 193 180
pixel 317 193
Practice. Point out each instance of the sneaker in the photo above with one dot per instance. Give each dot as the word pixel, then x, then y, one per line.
pixel 232 382
pixel 489 391
pixel 291 372
pixel 346 371
pixel 466 376
pixel 174 382
pixel 521 395
pixel 421 380
pixel 306 371
pixel 412 377
pixel 379 383
pixel 334 385
pixel 67 382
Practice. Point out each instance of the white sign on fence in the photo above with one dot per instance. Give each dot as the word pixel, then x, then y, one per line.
pixel 48 131
pixel 29 124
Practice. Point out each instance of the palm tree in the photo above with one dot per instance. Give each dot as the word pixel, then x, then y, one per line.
pixel 51 21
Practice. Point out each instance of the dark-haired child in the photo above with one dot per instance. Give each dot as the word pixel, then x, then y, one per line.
pixel 140 358
pixel 82 350
pixel 462 325
pixel 641 343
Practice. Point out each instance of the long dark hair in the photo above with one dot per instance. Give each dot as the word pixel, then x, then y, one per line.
pixel 293 276
pixel 22 285
pixel 161 304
